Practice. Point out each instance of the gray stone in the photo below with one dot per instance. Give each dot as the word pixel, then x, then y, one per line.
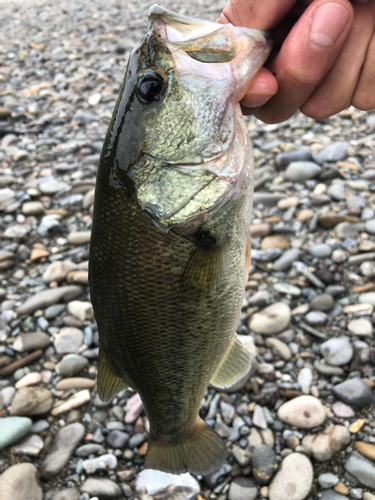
pixel 356 493
pixel 362 469
pixel 327 443
pixel 354 391
pixel 12 429
pixel 63 448
pixel 323 302
pixel 31 445
pixel 335 152
pixel 327 369
pixel 370 226
pixel 268 199
pixel 71 365
pixel 301 171
pixel 367 298
pixel 337 192
pixel 242 488
pixel 264 464
pixel 316 318
pixel 57 271
pixel 337 351
pixel 67 494
pixel 332 495
pixel 31 401
pixel 328 480
pixel 320 250
pixel 117 439
pixel 346 230
pixel 294 479
pixel 31 341
pixel 286 260
pixel 46 298
pixel 104 462
pixel 287 288
pixel 153 483
pixel 20 482
pixel 303 154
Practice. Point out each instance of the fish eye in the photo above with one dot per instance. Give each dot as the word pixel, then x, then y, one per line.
pixel 151 87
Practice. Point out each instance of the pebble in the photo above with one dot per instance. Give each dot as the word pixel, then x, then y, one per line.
pixel 31 341
pixel 67 494
pixel 337 351
pixel 33 378
pixel 366 449
pixel 320 250
pixel 31 446
pixel 328 480
pixel 362 469
pixel 286 260
pixel 264 464
pixel 370 226
pixel 68 340
pixel 294 479
pixel 65 442
pixel 20 482
pixel 301 170
pixel 279 348
pixel 323 302
pixel 133 409
pixel 101 487
pixel 304 412
pixel 335 152
pixel 332 495
pixel 78 399
pixel 271 320
pixel 360 327
pixel 57 271
pixel 342 410
pixel 151 483
pixel 31 401
pixel 327 443
pixel 43 299
pixel 79 238
pixel 367 298
pixel 75 383
pixel 71 364
pixel 316 318
pixel 12 429
pixel 242 488
pixel 354 391
pixel 117 439
pixel 104 462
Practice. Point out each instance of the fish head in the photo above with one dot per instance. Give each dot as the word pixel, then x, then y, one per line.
pixel 183 143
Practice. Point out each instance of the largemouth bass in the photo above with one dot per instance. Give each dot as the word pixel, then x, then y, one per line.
pixel 170 243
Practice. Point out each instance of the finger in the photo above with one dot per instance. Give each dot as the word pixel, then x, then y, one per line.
pixel 260 90
pixel 263 15
pixel 306 56
pixel 336 91
pixel 364 94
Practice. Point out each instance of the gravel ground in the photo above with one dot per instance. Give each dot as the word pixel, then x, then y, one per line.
pixel 301 424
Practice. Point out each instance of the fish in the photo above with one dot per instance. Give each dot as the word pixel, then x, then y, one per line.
pixel 170 240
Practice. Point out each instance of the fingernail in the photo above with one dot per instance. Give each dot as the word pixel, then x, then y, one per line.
pixel 328 22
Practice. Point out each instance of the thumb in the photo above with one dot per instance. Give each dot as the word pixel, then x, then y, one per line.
pixel 264 15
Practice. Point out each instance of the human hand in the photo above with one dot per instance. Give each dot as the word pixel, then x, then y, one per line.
pixel 324 59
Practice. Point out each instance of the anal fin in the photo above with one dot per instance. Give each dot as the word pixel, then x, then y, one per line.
pixel 109 384
pixel 235 364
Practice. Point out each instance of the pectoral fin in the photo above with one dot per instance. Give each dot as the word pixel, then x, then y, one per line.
pixel 234 366
pixel 109 384
pixel 204 268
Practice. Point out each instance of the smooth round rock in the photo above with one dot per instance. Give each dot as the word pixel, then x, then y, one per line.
pixel 12 429
pixel 271 320
pixel 57 271
pixel 327 443
pixel 151 483
pixel 328 480
pixel 242 488
pixel 360 327
pixel 362 469
pixel 294 479
pixel 337 351
pixel 301 171
pixel 354 391
pixel 31 341
pixel 264 464
pixel 65 442
pixel 117 439
pixel 68 340
pixel 32 208
pixel 71 365
pixel 32 378
pixel 320 250
pixel 323 302
pixel 20 482
pixel 304 412
pixel 366 449
pixel 367 298
pixel 46 298
pixel 31 401
pixel 370 226
pixel 316 318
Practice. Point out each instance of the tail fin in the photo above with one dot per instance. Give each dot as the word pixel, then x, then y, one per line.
pixel 201 453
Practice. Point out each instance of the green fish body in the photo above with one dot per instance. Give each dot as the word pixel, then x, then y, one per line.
pixel 170 243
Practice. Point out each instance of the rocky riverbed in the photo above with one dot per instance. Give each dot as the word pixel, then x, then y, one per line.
pixel 301 424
